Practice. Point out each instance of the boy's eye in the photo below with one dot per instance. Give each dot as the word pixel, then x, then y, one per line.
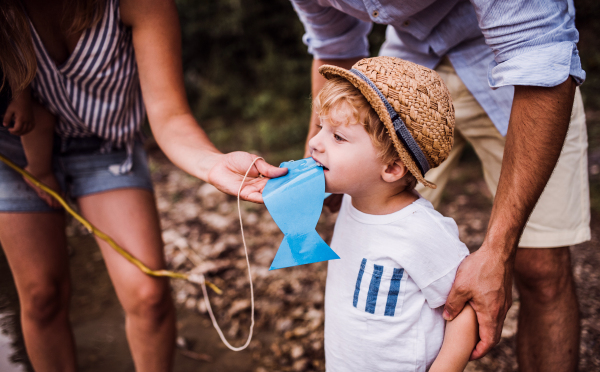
pixel 337 138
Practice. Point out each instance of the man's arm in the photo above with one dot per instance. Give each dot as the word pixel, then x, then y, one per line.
pixel 537 129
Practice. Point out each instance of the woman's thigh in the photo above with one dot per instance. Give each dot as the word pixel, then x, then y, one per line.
pixel 35 246
pixel 130 217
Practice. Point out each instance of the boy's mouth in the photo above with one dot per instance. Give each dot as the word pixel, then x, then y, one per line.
pixel 320 165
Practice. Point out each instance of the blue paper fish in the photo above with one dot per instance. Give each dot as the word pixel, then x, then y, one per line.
pixel 295 202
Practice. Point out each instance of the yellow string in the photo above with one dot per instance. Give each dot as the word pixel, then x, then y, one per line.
pixel 91 228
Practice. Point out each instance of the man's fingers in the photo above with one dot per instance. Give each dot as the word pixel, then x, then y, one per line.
pixel 489 334
pixel 485 344
pixel 455 302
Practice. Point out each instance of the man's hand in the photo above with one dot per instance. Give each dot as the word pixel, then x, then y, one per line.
pixel 485 281
pixel 538 125
pixel 18 117
pixel 228 172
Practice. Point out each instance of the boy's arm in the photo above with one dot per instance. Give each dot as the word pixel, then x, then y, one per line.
pixel 37 146
pixel 460 339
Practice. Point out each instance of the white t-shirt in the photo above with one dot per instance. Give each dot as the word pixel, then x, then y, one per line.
pixel 383 297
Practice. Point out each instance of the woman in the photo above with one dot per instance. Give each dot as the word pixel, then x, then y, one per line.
pixel 99 64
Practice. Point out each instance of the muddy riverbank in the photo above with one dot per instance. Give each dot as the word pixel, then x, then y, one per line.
pixel 201 232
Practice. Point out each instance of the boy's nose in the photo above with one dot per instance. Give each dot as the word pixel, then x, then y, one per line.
pixel 315 143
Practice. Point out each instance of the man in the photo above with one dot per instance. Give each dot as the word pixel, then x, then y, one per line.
pixel 518 133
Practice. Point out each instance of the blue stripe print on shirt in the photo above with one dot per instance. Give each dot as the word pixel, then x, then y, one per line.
pixel 392 299
pixel 374 289
pixel 358 281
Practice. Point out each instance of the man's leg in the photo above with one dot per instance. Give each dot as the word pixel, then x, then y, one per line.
pixel 129 216
pixel 548 336
pixel 561 218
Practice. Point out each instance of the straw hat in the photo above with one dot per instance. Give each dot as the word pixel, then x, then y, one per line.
pixel 413 103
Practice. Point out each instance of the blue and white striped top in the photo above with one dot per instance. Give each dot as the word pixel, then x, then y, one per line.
pixel 96 92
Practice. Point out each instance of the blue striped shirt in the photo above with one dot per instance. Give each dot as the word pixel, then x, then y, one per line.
pixel 96 91
pixel 491 43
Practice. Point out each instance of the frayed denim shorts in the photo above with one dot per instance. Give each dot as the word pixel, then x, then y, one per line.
pixel 80 168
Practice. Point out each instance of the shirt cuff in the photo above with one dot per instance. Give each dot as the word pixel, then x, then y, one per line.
pixel 543 67
pixel 349 45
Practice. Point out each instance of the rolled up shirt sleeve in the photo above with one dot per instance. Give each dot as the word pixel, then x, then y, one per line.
pixel 534 41
pixel 331 33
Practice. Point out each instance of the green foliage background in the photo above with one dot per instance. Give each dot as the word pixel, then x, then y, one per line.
pixel 247 74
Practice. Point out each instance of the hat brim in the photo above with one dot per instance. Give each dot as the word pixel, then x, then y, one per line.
pixel 330 71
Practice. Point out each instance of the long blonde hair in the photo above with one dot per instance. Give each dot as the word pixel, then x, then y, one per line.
pixel 17 56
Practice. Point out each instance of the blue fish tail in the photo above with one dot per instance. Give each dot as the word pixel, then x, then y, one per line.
pixel 302 249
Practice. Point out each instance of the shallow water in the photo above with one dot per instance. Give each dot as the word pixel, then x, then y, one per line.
pixel 12 352
pixel 6 352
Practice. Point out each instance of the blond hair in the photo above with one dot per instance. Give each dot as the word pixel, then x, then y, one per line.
pixel 339 94
pixel 17 55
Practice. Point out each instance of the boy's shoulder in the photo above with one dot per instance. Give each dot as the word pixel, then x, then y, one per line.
pixel 424 221
pixel 417 225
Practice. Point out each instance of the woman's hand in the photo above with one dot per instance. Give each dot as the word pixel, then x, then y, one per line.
pixel 229 170
pixel 20 112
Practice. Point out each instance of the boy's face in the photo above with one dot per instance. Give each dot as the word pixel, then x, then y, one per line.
pixel 350 161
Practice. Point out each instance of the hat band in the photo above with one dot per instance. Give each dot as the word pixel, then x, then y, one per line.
pixel 400 128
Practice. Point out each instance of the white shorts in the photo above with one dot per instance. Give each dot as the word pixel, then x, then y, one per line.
pixel 562 215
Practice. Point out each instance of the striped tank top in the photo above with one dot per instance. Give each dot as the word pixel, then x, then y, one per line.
pixel 96 91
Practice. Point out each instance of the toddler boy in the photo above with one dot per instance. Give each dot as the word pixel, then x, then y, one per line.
pixel 384 124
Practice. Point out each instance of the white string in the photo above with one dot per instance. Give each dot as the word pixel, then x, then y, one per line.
pixel 202 280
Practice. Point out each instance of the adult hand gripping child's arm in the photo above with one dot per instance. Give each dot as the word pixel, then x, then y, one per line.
pixel 460 339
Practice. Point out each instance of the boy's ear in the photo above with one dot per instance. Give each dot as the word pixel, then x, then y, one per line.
pixel 394 171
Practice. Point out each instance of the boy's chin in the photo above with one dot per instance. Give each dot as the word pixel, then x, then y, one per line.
pixel 332 190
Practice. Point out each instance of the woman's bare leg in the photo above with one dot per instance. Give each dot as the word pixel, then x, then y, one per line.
pixel 129 216
pixel 35 246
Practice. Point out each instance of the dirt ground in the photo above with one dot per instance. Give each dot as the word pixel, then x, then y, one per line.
pixel 201 232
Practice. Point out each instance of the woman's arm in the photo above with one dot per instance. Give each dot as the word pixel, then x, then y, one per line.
pixel 459 341
pixel 157 44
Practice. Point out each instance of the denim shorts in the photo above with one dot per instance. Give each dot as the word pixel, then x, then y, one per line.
pixel 80 168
